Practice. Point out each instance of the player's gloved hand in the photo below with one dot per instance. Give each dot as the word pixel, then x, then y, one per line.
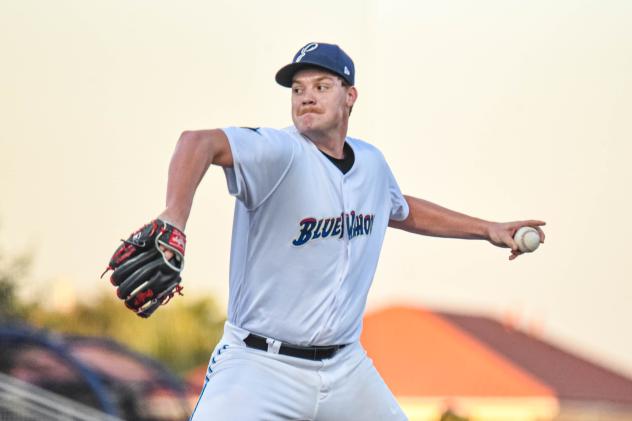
pixel 147 267
pixel 501 234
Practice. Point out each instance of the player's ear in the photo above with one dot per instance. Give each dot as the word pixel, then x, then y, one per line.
pixel 352 96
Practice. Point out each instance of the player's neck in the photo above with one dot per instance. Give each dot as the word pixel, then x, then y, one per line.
pixel 331 142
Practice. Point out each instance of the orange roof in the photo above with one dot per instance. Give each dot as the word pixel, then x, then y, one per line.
pixel 195 378
pixel 421 354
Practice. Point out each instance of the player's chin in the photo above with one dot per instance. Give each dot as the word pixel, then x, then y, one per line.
pixel 306 123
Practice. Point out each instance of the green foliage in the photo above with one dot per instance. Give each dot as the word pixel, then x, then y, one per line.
pixel 451 416
pixel 181 334
pixel 12 270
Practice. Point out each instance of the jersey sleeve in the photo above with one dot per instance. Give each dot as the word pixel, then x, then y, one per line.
pixel 261 158
pixel 399 206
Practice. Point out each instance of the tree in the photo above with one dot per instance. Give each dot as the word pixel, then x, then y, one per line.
pixel 448 415
pixel 181 334
pixel 12 271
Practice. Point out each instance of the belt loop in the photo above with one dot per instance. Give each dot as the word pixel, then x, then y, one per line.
pixel 273 345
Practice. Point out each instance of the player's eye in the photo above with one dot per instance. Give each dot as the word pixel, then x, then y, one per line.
pixel 322 88
pixel 297 91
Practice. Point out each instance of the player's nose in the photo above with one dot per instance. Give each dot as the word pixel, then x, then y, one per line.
pixel 308 97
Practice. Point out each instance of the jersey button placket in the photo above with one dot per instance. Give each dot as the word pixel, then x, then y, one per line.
pixel 346 209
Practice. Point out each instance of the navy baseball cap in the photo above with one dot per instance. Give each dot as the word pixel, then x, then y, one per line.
pixel 329 57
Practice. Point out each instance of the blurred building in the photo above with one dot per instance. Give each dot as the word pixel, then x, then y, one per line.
pixel 51 376
pixel 481 369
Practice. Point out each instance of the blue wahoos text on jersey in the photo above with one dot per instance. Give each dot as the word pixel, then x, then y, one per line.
pixel 334 227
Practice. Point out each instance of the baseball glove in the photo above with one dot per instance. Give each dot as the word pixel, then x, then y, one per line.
pixel 144 277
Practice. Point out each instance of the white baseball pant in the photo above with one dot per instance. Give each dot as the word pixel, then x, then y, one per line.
pixel 245 384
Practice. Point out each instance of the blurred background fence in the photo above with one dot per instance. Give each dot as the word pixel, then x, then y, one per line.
pixel 21 401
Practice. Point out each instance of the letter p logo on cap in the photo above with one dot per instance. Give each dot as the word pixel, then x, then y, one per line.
pixel 309 47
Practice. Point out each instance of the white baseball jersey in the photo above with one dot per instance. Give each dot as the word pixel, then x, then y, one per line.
pixel 306 237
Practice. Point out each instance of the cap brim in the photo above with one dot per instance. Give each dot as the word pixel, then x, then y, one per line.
pixel 286 74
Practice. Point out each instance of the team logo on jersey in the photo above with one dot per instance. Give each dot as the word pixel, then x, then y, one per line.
pixel 352 224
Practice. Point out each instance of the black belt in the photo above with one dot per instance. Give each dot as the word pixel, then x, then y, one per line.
pixel 315 353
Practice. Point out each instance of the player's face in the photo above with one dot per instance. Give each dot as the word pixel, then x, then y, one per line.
pixel 320 101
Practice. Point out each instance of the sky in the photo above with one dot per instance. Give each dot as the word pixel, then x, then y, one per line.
pixel 501 109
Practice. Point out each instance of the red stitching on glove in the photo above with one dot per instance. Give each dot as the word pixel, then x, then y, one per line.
pixel 178 290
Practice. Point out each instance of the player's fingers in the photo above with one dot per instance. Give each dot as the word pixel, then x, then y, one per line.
pixel 534 223
pixel 509 242
pixel 514 254
pixel 166 252
pixel 542 235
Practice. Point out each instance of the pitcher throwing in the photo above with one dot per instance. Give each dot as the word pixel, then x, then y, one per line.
pixel 312 207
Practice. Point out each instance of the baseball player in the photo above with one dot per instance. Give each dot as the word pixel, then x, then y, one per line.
pixel 312 207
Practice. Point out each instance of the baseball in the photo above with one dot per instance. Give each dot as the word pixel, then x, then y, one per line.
pixel 527 238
